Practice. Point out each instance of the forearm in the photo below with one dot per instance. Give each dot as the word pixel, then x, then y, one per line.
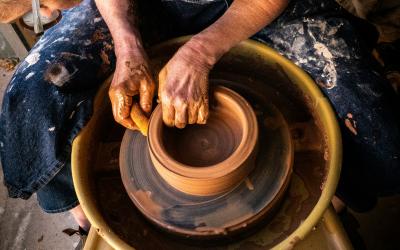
pixel 243 19
pixel 120 16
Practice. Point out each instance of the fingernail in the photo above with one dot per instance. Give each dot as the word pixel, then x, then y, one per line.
pixel 180 125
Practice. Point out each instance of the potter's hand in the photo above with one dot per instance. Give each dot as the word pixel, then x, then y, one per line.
pixel 132 82
pixel 183 87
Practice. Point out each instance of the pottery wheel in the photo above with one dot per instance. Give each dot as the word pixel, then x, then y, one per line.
pixel 218 215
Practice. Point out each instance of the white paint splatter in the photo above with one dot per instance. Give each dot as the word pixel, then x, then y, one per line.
pixel 79 103
pixel 32 58
pixel 61 39
pixel 97 19
pixel 39 46
pixel 72 114
pixel 52 129
pixel 10 88
pixel 29 75
pixel 298 44
pixel 329 72
pixel 323 50
pixel 87 42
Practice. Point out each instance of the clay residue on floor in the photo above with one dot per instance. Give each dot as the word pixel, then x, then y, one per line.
pixel 8 64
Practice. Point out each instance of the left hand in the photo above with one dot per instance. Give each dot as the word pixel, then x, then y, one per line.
pixel 183 87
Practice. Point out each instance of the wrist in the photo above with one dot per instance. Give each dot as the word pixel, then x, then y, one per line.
pixel 127 43
pixel 209 48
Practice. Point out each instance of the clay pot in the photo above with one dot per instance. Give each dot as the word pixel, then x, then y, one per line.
pixel 207 159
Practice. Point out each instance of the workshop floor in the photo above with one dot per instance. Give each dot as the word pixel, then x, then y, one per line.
pixel 24 226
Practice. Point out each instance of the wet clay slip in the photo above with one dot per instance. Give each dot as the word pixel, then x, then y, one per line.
pixel 207 159
pixel 214 180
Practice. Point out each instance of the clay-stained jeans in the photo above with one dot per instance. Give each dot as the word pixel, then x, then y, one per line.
pixel 50 97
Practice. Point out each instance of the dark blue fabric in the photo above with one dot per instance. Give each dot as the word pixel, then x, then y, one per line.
pixel 59 194
pixel 335 49
pixel 42 113
pixel 50 98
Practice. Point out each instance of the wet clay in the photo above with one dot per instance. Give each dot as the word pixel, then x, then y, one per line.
pixel 261 83
pixel 224 214
pixel 207 159
pixel 204 145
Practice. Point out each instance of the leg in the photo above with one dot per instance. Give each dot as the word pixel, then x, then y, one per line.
pixel 80 218
pixel 50 97
pixel 59 196
pixel 324 41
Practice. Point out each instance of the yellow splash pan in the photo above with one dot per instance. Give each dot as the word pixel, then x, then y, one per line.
pixel 306 202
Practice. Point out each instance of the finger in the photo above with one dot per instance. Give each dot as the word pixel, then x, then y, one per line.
pixel 128 123
pixel 121 104
pixel 168 112
pixel 193 112
pixel 139 118
pixel 161 80
pixel 203 113
pixel 146 91
pixel 181 114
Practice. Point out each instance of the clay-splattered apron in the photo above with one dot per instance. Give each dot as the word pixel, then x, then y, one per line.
pixel 50 97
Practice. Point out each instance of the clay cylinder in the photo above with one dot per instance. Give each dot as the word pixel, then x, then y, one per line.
pixel 207 159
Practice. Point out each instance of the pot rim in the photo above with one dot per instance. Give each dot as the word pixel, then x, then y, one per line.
pixel 246 147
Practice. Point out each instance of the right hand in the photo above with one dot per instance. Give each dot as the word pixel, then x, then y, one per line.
pixel 132 77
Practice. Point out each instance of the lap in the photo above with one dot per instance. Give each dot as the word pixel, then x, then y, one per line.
pixel 72 59
pixel 50 97
pixel 331 49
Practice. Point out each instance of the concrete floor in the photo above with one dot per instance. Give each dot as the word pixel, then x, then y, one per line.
pixel 23 225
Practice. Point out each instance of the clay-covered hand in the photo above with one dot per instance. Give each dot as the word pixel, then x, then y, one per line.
pixel 132 83
pixel 183 87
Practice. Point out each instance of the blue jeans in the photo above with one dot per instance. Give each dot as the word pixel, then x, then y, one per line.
pixel 50 97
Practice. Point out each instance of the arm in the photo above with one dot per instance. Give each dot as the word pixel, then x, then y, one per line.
pixel 183 90
pixel 132 76
pixel 243 19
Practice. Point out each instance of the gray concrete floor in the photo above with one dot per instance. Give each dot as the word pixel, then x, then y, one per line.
pixel 23 225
